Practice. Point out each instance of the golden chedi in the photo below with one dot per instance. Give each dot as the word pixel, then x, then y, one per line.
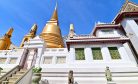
pixel 51 33
pixel 5 41
pixel 30 35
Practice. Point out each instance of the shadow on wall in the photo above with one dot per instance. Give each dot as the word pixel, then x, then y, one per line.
pixel 45 81
pixel 75 83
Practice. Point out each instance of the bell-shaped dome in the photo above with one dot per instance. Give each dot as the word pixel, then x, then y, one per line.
pixel 51 32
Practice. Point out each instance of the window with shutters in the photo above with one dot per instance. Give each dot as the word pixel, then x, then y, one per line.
pixel 114 53
pixel 79 53
pixel 47 60
pixel 13 60
pixel 61 60
pixel 97 55
pixel 3 60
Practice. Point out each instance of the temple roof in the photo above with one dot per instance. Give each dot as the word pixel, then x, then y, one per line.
pixel 129 7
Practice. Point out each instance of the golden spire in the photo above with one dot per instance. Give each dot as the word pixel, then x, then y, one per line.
pixel 9 33
pixel 51 32
pixel 5 41
pixel 33 31
pixel 127 1
pixel 55 14
pixel 30 35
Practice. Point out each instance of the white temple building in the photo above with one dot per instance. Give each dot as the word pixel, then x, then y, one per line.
pixel 113 45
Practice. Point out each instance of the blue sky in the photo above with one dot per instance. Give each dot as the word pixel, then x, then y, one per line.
pixel 22 14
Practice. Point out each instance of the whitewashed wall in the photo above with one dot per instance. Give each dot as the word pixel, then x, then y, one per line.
pixel 131 28
pixel 127 57
pixel 8 54
pixel 107 61
pixel 54 53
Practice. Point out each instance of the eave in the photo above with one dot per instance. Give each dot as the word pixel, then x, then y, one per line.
pixel 107 26
pixel 97 40
pixel 123 15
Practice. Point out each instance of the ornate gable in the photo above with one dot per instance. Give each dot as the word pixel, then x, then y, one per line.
pixel 129 7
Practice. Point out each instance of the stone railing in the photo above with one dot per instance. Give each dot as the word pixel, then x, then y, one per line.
pixel 91 36
pixel 10 58
pixel 54 56
pixel 9 73
pixel 26 78
pixel 83 36
pixel 11 52
pixel 56 50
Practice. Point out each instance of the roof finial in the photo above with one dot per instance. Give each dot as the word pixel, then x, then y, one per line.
pixel 72 32
pixel 127 1
pixel 9 33
pixel 55 15
pixel 56 5
pixel 71 27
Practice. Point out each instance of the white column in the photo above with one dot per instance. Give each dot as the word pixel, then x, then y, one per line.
pixel 123 54
pixel 30 58
pixel 105 53
pixel 71 55
pixel 130 53
pixel 7 60
pixel 88 54
pixel 54 59
pixel 131 28
pixel 39 56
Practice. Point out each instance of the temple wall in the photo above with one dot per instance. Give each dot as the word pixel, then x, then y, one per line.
pixel 50 57
pixel 10 58
pixel 131 28
pixel 127 58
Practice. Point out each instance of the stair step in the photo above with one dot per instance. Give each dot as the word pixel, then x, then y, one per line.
pixel 5 70
pixel 20 72
pixel 12 79
pixel 11 82
pixel 2 74
pixel 23 70
pixel 5 82
pixel 17 75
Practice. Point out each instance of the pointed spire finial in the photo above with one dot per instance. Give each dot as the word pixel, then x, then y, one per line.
pixel 72 32
pixel 71 27
pixel 55 14
pixel 9 33
pixel 127 0
pixel 33 30
pixel 56 5
pixel 34 27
